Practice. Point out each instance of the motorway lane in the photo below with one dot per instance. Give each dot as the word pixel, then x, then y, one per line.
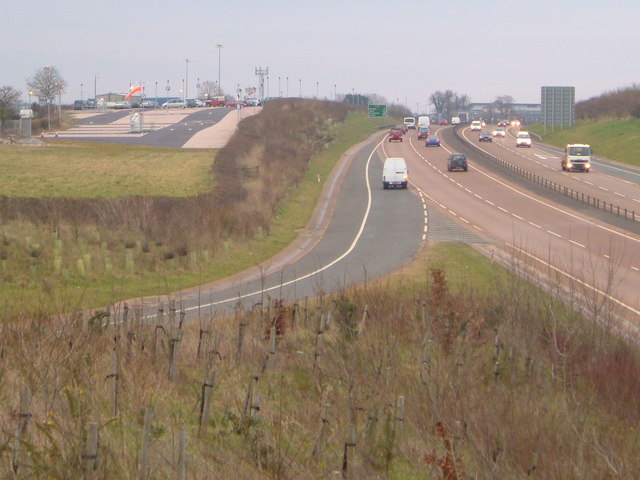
pixel 371 231
pixel 617 185
pixel 569 248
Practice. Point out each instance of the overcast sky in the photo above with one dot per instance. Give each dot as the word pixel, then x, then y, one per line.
pixel 403 50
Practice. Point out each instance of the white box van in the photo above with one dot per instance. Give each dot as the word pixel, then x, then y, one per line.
pixel 455 120
pixel 395 173
pixel 424 121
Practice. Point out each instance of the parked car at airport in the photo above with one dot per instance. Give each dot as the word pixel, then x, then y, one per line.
pixel 149 104
pixel 175 103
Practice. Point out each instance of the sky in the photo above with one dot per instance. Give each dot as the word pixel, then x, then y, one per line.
pixel 402 51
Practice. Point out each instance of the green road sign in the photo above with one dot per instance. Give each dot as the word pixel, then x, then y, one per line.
pixel 377 110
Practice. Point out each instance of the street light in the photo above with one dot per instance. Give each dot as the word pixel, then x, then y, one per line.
pixel 186 88
pixel 219 50
pixel 95 91
pixel 300 80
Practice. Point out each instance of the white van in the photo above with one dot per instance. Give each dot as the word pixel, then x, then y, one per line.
pixel 395 173
pixel 455 120
pixel 424 121
pixel 410 122
pixel 476 125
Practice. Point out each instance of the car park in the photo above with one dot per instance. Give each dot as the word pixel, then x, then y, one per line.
pixel 396 135
pixel 432 141
pixel 485 136
pixel 175 103
pixel 423 132
pixel 523 139
pixel 499 132
pixel 457 161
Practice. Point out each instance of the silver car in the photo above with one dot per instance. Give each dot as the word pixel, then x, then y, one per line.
pixel 175 103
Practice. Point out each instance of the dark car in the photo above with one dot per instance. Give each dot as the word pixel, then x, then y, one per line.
pixel 485 137
pixel 395 134
pixel 423 132
pixel 457 161
pixel 433 141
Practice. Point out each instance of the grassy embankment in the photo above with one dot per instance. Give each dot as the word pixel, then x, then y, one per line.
pixel 67 264
pixel 613 139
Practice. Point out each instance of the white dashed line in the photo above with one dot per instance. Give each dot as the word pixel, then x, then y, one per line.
pixel 577 244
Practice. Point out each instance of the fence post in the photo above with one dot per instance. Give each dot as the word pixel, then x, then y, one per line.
pixel 21 430
pixel 182 455
pixel 113 375
pixel 349 449
pixel 205 403
pixel 143 467
pixel 91 451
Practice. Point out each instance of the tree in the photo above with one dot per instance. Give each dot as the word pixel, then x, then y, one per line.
pixel 8 101
pixel 45 84
pixel 504 105
pixel 209 89
pixel 448 103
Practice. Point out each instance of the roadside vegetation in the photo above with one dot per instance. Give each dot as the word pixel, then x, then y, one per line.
pixel 451 368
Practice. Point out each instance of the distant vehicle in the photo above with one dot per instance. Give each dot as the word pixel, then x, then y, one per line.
pixel 91 103
pixel 424 121
pixel 443 121
pixel 432 141
pixel 455 120
pixel 214 102
pixel 395 173
pixel 175 103
pixel 523 139
pixel 576 157
pixel 457 161
pixel 395 134
pixel 463 116
pixel 191 103
pixel 498 132
pixel 515 122
pixel 476 125
pixel 79 105
pixel 149 104
pixel 423 132
pixel 503 123
pixel 121 105
pixel 410 122
pixel 485 137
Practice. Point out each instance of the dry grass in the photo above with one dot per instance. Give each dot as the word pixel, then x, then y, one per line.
pixel 437 382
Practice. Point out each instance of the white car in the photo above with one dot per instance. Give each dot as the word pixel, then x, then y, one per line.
pixel 476 125
pixel 523 139
pixel 498 132
pixel 175 103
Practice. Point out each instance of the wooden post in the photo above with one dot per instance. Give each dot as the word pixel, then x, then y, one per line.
pixel 306 311
pixel 91 451
pixel 324 419
pixel 272 341
pixel 248 401
pixel 370 431
pixel 24 415
pixel 176 334
pixel 318 352
pixel 349 449
pixel 399 419
pixel 143 462
pixel 182 455
pixel 241 332
pixel 205 402
pixel 113 376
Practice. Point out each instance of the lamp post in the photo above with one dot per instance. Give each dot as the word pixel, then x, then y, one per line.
pixel 30 93
pixel 81 94
pixel 287 87
pixel 95 91
pixel 156 93
pixel 300 80
pixel 335 92
pixel 317 94
pixel 279 89
pixel 186 86
pixel 219 53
